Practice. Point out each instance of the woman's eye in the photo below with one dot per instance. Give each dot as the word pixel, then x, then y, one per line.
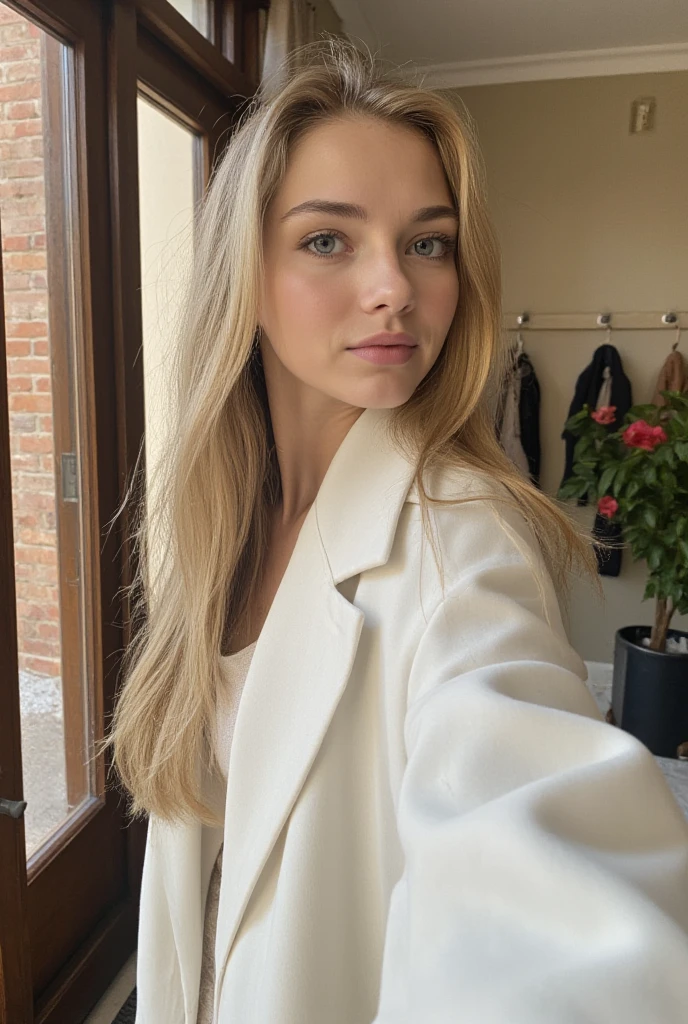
pixel 434 247
pixel 324 243
pixel 328 239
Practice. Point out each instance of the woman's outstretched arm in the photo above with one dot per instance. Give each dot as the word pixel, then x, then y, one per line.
pixel 546 860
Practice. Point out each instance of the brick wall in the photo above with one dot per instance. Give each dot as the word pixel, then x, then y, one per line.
pixel 22 214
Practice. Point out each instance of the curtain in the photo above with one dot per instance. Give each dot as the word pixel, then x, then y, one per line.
pixel 290 24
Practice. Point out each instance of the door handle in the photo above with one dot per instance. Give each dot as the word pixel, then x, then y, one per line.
pixel 13 808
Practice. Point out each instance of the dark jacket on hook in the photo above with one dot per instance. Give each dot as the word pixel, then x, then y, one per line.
pixel 587 390
pixel 517 416
pixel 529 415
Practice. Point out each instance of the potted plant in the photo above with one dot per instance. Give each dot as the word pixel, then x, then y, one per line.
pixel 638 477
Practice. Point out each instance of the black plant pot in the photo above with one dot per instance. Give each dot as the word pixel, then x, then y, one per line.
pixel 650 691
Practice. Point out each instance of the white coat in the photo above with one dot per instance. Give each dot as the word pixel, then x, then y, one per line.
pixel 427 819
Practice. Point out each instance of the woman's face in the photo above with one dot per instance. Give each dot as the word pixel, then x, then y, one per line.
pixel 336 276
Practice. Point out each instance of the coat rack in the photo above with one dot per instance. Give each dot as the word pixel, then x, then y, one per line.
pixel 595 321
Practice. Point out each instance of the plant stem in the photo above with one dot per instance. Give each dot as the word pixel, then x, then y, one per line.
pixel 663 614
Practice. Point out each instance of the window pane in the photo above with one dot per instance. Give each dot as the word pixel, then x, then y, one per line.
pixel 37 214
pixel 166 198
pixel 195 11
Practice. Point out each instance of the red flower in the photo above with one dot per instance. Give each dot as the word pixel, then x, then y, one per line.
pixel 641 435
pixel 607 507
pixel 605 415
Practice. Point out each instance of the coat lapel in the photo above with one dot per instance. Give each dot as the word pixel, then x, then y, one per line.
pixel 299 670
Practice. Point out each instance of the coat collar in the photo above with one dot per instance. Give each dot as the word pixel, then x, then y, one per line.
pixel 298 673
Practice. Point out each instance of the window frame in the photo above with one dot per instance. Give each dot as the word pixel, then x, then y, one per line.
pixel 69 923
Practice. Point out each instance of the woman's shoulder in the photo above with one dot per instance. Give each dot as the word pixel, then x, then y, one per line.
pixel 457 482
pixel 480 519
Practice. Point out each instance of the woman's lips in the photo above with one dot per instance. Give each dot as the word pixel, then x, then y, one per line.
pixel 385 355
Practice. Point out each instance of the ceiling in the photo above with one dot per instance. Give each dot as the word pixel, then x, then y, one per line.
pixel 477 41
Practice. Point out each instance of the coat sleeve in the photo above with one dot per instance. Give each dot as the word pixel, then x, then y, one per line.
pixel 545 858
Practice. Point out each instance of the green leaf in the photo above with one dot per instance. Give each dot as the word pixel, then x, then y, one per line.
pixel 646 412
pixel 650 517
pixel 650 475
pixel 573 488
pixel 606 479
pixel 655 556
pixel 683 548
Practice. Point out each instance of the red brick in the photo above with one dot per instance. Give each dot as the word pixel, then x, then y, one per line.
pixel 25 205
pixel 37 364
pixel 20 129
pixel 13 243
pixel 12 31
pixel 45 424
pixel 25 261
pixel 28 329
pixel 27 90
pixel 22 423
pixel 44 556
pixel 18 384
pixel 41 348
pixel 26 225
pixel 22 111
pixel 35 501
pixel 20 188
pixel 16 282
pixel 34 306
pixel 28 610
pixel 18 70
pixel 28 148
pixel 44 576
pixel 49 630
pixel 26 519
pixel 39 443
pixel 42 384
pixel 42 483
pixel 26 51
pixel 42 666
pixel 26 463
pixel 42 648
pixel 17 348
pixel 33 537
pixel 30 403
pixel 28 591
pixel 28 168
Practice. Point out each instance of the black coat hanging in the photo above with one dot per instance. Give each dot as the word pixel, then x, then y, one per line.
pixel 529 415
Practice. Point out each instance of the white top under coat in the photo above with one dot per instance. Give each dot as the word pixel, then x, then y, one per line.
pixel 235 669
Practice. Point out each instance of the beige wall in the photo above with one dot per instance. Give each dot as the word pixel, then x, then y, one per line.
pixel 590 219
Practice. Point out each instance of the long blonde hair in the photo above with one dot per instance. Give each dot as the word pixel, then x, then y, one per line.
pixel 208 514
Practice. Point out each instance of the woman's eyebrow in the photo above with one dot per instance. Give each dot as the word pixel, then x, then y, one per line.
pixel 336 209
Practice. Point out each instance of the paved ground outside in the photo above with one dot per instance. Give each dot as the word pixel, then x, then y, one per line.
pixel 43 756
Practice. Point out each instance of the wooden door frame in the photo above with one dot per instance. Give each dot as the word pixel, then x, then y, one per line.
pixel 64 976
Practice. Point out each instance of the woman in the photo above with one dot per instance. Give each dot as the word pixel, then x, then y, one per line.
pixel 425 818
